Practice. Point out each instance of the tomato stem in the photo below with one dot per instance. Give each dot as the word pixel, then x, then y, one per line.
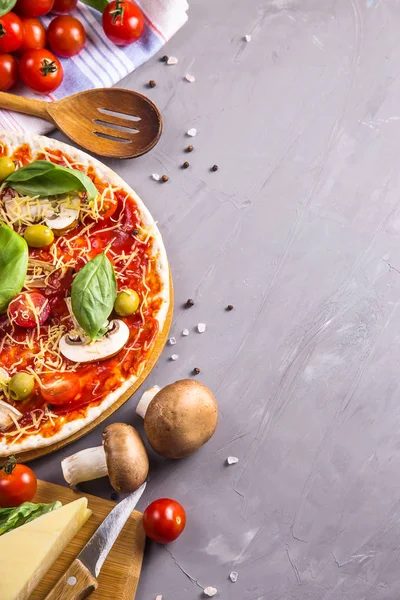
pixel 10 465
pixel 48 67
pixel 118 12
pixel 3 32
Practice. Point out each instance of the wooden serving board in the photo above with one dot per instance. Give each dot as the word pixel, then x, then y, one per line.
pixel 119 576
pixel 25 457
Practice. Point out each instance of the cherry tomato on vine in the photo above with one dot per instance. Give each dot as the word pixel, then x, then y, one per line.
pixel 41 71
pixel 8 72
pixel 60 388
pixel 10 32
pixel 17 484
pixel 25 307
pixel 123 22
pixel 63 7
pixel 164 520
pixel 66 35
pixel 34 35
pixel 34 8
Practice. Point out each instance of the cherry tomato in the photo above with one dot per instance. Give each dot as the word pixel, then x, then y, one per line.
pixel 34 8
pixel 10 32
pixel 123 22
pixel 34 35
pixel 60 388
pixel 66 35
pixel 23 308
pixel 164 520
pixel 63 7
pixel 108 209
pixel 8 72
pixel 17 484
pixel 41 71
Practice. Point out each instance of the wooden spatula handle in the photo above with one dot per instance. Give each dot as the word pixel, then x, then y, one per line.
pixel 76 584
pixel 36 108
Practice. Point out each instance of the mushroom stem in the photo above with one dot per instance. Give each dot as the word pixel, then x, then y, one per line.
pixel 145 400
pixel 84 466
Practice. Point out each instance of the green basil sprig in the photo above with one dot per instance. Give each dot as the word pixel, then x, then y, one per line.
pixel 93 294
pixel 6 6
pixel 96 4
pixel 13 264
pixel 44 178
pixel 11 518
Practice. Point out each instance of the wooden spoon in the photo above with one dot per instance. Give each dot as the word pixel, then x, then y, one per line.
pixel 110 122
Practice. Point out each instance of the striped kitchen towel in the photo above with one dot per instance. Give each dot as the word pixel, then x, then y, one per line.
pixel 101 63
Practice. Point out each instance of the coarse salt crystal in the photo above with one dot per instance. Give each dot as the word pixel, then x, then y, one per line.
pixel 185 332
pixel 192 132
pixel 210 591
pixel 156 177
pixel 175 357
pixel 190 78
pixel 247 37
pixel 233 576
pixel 201 327
pixel 172 341
pixel 172 60
pixel 159 598
pixel 232 460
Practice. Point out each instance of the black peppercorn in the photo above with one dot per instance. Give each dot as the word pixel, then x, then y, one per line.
pixel 164 178
pixel 214 168
pixel 229 307
pixel 189 148
pixel 196 370
pixel 135 232
pixel 185 165
pixel 152 83
pixel 189 303
pixel 114 496
pixel 164 58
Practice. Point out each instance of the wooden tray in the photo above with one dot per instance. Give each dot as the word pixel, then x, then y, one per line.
pixel 119 576
pixel 24 457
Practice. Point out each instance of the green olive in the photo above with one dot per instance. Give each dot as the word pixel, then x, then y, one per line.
pixel 38 236
pixel 7 166
pixel 127 303
pixel 21 386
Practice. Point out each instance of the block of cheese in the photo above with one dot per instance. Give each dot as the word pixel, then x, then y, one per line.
pixel 27 553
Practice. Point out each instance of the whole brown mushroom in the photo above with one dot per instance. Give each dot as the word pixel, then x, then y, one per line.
pixel 122 457
pixel 179 418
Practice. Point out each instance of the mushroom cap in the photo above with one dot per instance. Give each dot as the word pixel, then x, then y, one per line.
pixel 181 418
pixel 126 457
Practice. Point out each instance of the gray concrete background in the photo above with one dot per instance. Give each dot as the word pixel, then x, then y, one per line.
pixel 300 230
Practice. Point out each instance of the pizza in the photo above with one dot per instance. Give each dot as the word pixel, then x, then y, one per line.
pixel 84 291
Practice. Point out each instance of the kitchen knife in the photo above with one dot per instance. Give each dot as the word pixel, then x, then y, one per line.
pixel 80 579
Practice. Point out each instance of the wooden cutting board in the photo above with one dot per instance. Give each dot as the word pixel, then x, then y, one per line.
pixel 119 576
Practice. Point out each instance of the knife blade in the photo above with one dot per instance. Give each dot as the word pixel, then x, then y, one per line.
pixel 96 550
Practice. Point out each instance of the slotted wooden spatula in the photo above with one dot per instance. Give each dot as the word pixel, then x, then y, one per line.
pixel 111 122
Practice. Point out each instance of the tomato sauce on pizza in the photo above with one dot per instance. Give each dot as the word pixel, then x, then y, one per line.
pixel 33 331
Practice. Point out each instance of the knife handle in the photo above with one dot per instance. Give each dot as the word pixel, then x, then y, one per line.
pixel 76 584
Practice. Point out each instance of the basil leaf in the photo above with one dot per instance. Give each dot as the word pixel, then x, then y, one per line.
pixel 6 6
pixel 93 294
pixel 11 518
pixel 96 4
pixel 43 178
pixel 13 264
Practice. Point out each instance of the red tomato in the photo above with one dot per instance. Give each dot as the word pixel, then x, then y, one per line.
pixel 34 35
pixel 63 7
pixel 10 32
pixel 23 308
pixel 34 8
pixel 164 520
pixel 8 72
pixel 41 71
pixel 66 35
pixel 17 484
pixel 123 22
pixel 109 208
pixel 60 388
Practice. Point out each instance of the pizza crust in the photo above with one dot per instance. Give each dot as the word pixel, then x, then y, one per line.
pixel 37 143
